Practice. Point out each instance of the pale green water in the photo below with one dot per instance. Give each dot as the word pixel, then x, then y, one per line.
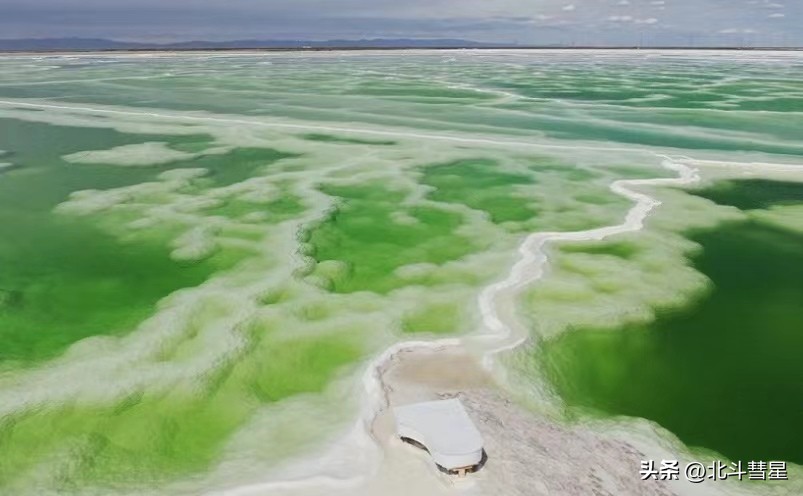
pixel 345 203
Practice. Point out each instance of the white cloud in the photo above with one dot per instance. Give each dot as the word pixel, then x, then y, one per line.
pixel 569 8
pixel 737 31
pixel 776 15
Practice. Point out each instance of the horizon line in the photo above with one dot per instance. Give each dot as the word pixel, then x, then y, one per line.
pixel 332 48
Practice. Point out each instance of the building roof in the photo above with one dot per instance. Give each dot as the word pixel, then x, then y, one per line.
pixel 445 429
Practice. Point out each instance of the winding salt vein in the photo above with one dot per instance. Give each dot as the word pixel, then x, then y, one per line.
pixel 531 266
pixel 501 335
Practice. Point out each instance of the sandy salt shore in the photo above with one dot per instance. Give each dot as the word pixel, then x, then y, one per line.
pixel 528 454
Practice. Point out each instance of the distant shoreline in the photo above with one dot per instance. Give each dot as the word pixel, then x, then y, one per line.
pixel 56 51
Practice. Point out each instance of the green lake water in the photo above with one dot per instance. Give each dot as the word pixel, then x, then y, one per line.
pixel 61 278
pixel 725 373
pixel 422 212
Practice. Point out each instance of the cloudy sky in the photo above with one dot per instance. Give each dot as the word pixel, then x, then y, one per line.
pixel 696 22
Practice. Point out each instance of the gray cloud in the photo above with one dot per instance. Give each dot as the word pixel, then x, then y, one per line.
pixel 526 21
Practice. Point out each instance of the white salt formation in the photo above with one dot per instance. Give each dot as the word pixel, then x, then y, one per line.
pixel 140 155
pixel 4 165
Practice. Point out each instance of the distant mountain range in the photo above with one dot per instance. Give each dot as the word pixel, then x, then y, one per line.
pixel 100 44
pixel 56 44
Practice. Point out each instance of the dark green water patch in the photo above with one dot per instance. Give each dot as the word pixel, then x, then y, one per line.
pixel 61 279
pixel 43 179
pixel 328 138
pixel 750 194
pixel 481 185
pixel 724 373
pixel 620 249
pixel 233 167
pixel 365 235
pixel 777 104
